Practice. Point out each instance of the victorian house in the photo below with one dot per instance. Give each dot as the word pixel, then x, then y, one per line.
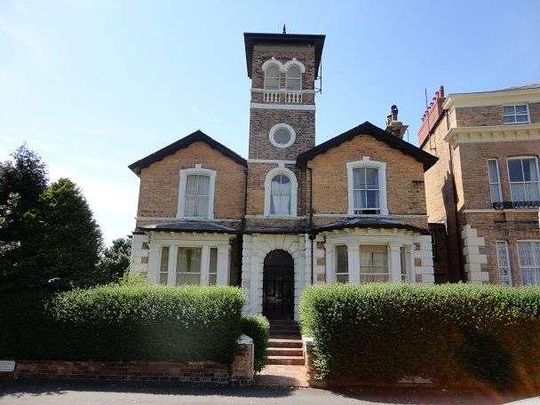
pixel 351 209
pixel 484 190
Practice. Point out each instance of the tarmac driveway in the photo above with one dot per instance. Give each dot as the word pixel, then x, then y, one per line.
pixel 75 393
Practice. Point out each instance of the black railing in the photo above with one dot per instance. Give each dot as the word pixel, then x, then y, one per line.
pixel 516 205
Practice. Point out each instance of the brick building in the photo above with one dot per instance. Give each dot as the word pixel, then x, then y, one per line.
pixel 351 209
pixel 485 187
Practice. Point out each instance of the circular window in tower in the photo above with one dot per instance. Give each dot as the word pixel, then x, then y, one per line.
pixel 282 135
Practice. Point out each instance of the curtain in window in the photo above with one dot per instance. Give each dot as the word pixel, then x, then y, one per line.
pixel 494 182
pixel 366 188
pixel 197 196
pixel 294 79
pixel 374 263
pixel 529 261
pixel 188 266
pixel 280 195
pixel 524 182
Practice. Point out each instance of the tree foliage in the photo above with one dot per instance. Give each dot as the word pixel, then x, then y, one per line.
pixel 114 261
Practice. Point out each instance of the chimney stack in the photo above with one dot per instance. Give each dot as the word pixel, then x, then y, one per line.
pixel 393 125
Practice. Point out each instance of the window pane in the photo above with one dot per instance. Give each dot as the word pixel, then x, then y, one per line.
pixel 188 279
pixel 374 263
pixel 530 172
pixel 372 177
pixel 508 110
pixel 358 178
pixel 529 261
pixel 191 184
pixel 204 185
pixel 212 280
pixel 508 119
pixel 503 263
pixel 493 170
pixel 272 76
pixel 190 209
pixel 342 262
pixel 189 260
pixel 372 199
pixel 280 195
pixel 282 136
pixel 514 168
pixel 202 206
pixel 521 109
pixel 495 193
pixel 522 118
pixel 163 278
pixel 164 266
pixel 342 278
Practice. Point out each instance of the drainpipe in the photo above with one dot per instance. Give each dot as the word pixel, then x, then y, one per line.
pixel 311 232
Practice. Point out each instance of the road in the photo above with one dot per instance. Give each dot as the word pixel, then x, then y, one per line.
pixel 112 394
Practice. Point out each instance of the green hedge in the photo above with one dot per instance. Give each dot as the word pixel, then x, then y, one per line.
pixel 258 328
pixel 453 334
pixel 116 323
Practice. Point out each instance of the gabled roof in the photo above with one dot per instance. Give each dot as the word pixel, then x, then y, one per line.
pixel 252 38
pixel 197 136
pixel 367 128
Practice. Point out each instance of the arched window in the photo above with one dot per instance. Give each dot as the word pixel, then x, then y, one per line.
pixel 294 78
pixel 280 195
pixel 272 77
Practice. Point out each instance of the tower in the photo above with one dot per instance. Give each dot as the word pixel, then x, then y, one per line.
pixel 283 69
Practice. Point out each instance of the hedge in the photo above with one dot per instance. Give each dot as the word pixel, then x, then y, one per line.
pixel 123 323
pixel 258 328
pixel 454 334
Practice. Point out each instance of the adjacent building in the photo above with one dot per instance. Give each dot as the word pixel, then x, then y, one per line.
pixel 484 190
pixel 351 209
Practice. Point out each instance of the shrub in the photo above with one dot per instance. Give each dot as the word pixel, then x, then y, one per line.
pixel 452 334
pixel 257 328
pixel 130 322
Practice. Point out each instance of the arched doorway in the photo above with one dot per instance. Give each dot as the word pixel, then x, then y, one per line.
pixel 278 285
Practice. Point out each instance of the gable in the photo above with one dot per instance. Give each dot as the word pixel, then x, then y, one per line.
pixel 368 129
pixel 197 136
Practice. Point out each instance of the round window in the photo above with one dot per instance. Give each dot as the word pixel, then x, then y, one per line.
pixel 282 135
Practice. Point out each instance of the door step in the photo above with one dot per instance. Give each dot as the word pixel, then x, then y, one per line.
pixel 286 360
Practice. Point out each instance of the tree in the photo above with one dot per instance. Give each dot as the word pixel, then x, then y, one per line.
pixel 22 181
pixel 114 261
pixel 72 239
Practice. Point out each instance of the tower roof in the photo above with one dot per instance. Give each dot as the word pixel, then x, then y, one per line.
pixel 252 38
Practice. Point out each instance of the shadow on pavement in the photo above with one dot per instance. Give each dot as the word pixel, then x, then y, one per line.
pixel 19 388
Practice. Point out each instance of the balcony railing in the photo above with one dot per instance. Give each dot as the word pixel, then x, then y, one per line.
pixel 516 205
pixel 282 96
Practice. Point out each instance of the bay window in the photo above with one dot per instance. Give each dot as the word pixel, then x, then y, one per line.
pixel 342 265
pixel 374 263
pixel 188 266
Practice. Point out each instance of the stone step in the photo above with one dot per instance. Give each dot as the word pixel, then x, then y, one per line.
pixel 286 360
pixel 291 343
pixel 293 336
pixel 284 331
pixel 285 351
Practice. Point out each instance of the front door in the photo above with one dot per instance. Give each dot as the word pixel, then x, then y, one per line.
pixel 278 286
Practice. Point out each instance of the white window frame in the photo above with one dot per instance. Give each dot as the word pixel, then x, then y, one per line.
pixel 528 267
pixel 273 132
pixel 503 279
pixel 510 182
pixel 287 76
pixel 197 170
pixel 265 66
pixel 268 190
pixel 514 115
pixel 497 183
pixel 366 162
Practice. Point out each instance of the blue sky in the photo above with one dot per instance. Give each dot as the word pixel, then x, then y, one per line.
pixel 94 85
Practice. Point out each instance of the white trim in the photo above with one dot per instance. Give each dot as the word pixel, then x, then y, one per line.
pixel 272 61
pixel 262 90
pixel 273 132
pixel 198 170
pixel 482 99
pixel 494 133
pixel 367 162
pixel 267 188
pixel 294 62
pixel 297 218
pixel 514 105
pixel 371 216
pixel 484 210
pixel 272 161
pixel 307 107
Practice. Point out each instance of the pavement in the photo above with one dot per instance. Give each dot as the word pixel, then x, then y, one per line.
pixel 68 393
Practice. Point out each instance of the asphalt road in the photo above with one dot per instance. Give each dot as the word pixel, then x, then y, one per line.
pixel 72 393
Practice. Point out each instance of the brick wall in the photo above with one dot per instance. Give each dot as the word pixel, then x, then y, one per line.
pixel 262 120
pixel 405 177
pixel 158 191
pixel 473 161
pixel 240 372
pixel 489 115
